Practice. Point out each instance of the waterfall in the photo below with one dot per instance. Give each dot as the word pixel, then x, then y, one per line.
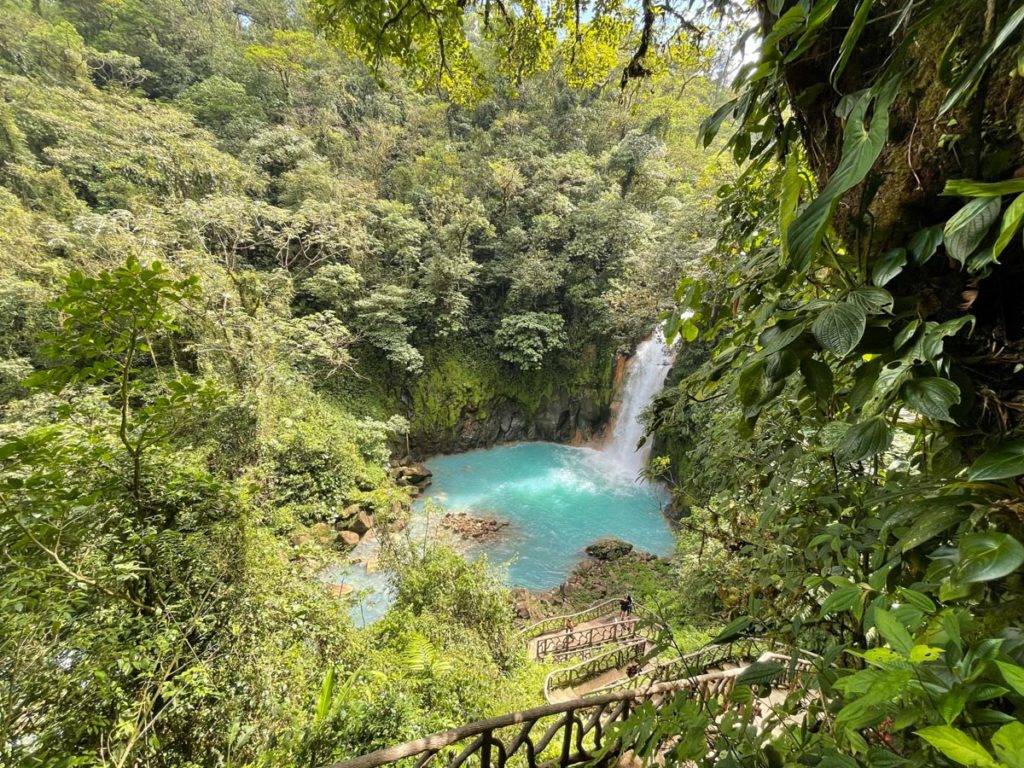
pixel 645 376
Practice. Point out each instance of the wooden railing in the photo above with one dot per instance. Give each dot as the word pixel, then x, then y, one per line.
pixel 562 734
pixel 689 664
pixel 555 623
pixel 591 637
pixel 588 669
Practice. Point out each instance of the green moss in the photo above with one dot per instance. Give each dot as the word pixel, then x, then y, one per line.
pixel 467 379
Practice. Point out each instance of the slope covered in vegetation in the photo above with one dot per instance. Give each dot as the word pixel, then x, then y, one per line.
pixel 239 273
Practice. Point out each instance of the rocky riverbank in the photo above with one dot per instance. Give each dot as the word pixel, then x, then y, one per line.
pixel 613 569
pixel 475 529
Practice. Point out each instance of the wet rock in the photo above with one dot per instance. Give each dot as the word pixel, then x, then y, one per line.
pixel 466 526
pixel 609 549
pixel 339 590
pixel 413 474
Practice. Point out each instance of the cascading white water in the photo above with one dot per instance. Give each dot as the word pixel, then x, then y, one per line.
pixel 645 376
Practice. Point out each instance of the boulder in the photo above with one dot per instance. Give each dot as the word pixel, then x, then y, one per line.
pixel 349 538
pixel 413 474
pixel 609 549
pixel 339 590
pixel 361 523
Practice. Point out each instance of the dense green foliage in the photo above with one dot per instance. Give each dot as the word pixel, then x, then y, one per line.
pixel 851 447
pixel 239 274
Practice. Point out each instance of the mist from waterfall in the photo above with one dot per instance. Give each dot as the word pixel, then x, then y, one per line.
pixel 645 377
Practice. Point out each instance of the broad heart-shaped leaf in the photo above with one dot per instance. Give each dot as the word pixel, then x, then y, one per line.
pixel 887 267
pixel 988 556
pixel 956 745
pixel 1008 742
pixel 840 327
pixel 932 396
pixel 965 231
pixel 862 143
pixel 864 440
pixel 1003 461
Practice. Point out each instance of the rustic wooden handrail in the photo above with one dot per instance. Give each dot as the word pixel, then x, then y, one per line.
pixel 591 636
pixel 580 722
pixel 555 623
pixel 584 670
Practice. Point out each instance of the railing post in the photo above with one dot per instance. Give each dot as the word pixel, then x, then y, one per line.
pixel 567 739
pixel 485 751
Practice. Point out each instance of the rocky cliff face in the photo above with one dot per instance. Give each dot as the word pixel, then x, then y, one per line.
pixel 562 418
pixel 465 401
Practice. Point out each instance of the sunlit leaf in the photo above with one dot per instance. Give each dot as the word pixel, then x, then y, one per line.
pixel 1013 675
pixel 956 745
pixel 1008 742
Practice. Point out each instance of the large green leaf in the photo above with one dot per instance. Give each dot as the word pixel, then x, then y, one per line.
pixel 956 745
pixel 818 377
pixel 893 632
pixel 1013 217
pixel 760 672
pixel 1008 743
pixel 988 556
pixel 965 231
pixel 871 299
pixel 968 188
pixel 930 524
pixel 1013 675
pixel 840 327
pixel 1003 461
pixel 849 44
pixel 932 396
pixel 732 630
pixel 973 74
pixel 888 266
pixel 862 143
pixel 789 198
pixel 925 242
pixel 709 128
pixel 841 599
pixel 864 440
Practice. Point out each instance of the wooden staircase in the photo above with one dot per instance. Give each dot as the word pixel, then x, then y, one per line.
pixel 590 695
